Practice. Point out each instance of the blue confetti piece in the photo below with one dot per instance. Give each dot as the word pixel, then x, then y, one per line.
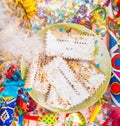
pixel 118 33
pixel 50 20
pixel 69 21
pixel 0 76
pixel 90 3
pixel 94 7
pixel 96 41
pixel 15 119
pixel 97 30
pixel 21 118
pixel 35 112
pixel 97 65
pixel 107 94
pixel 104 118
pixel 101 54
pixel 1 61
pixel 103 34
pixel 60 29
pixel 35 28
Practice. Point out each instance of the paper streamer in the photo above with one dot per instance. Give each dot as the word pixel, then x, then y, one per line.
pixel 7 111
pixel 115 78
pixel 99 27
pixel 102 8
pixel 115 61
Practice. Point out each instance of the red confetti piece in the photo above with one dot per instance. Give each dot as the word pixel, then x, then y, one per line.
pixel 2 88
pixel 35 118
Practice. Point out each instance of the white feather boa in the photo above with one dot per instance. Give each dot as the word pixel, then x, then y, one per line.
pixel 14 39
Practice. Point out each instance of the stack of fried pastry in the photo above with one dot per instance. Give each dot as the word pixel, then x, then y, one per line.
pixel 67 73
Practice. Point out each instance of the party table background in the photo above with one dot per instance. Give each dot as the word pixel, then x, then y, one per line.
pixel 18 31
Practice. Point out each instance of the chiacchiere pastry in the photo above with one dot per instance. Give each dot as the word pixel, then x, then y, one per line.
pixel 36 78
pixel 33 71
pixel 62 78
pixel 69 45
pixel 87 73
pixel 65 74
pixel 71 82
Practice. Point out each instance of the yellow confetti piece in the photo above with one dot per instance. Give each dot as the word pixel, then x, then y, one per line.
pixel 23 68
pixel 13 123
pixel 9 57
pixel 8 1
pixel 95 113
pixel 1 65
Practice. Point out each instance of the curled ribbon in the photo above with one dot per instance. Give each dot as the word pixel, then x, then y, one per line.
pixel 97 17
pixel 102 8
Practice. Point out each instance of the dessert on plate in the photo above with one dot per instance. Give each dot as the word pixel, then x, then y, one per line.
pixel 66 73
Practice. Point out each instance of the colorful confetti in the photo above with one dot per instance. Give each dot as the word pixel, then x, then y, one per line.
pixel 90 13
